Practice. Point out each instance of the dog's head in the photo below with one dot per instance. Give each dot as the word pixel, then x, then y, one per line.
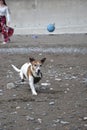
pixel 36 65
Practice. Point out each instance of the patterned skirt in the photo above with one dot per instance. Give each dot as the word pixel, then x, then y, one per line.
pixel 4 29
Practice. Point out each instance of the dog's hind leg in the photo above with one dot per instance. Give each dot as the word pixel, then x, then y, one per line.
pixel 22 76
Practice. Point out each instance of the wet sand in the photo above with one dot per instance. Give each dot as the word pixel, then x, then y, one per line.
pixel 61 103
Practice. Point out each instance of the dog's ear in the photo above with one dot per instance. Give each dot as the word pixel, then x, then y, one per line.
pixel 43 60
pixel 31 59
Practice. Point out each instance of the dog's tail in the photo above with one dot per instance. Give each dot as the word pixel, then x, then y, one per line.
pixel 15 68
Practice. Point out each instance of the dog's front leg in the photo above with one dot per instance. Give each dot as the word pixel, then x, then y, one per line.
pixel 31 83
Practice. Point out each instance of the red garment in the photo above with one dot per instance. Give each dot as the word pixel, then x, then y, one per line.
pixel 4 29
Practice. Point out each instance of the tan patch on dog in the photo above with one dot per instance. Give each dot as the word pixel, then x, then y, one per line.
pixel 29 72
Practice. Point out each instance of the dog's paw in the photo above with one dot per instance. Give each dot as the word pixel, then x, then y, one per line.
pixel 34 93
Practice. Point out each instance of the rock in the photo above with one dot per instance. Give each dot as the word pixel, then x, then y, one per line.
pixel 39 120
pixel 56 121
pixel 1 94
pixel 85 118
pixel 45 84
pixel 51 103
pixel 18 107
pixel 85 125
pixel 10 85
pixel 64 122
pixel 58 79
pixel 29 118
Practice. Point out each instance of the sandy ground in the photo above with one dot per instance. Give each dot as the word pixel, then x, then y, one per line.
pixel 61 103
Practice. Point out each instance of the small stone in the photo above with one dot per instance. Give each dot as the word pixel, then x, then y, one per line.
pixel 51 88
pixel 13 112
pixel 64 122
pixel 68 89
pixel 14 95
pixel 45 84
pixel 39 120
pixel 85 125
pixel 1 94
pixel 65 92
pixel 40 54
pixel 52 60
pixel 44 114
pixel 51 103
pixel 56 121
pixel 54 125
pixel 0 90
pixel 29 118
pixel 70 68
pixel 18 107
pixel 58 79
pixel 85 118
pixel 10 85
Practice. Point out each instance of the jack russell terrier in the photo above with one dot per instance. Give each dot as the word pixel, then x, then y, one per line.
pixel 31 71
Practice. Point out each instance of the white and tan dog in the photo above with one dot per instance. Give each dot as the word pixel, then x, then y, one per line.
pixel 31 71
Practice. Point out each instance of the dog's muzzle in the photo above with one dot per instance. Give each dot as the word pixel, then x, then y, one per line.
pixel 38 72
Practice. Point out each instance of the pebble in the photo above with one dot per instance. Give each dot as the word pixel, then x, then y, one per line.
pixel 39 120
pixel 58 79
pixel 54 125
pixel 1 94
pixel 14 95
pixel 64 122
pixel 40 54
pixel 1 90
pixel 85 118
pixel 65 92
pixel 51 103
pixel 68 89
pixel 70 68
pixel 51 88
pixel 18 107
pixel 85 125
pixel 45 84
pixel 29 118
pixel 10 85
pixel 56 121
pixel 13 112
pixel 52 60
pixel 44 114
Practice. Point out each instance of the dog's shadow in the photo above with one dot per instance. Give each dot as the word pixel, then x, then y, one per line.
pixel 39 88
pixel 47 90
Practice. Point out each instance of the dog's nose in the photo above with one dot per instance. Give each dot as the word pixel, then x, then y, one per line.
pixel 38 72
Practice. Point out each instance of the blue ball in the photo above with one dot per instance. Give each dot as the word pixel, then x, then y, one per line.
pixel 51 27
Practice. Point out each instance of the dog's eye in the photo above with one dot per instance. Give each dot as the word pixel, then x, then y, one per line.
pixel 40 65
pixel 35 65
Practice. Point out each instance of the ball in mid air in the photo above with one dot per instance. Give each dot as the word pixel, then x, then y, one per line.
pixel 51 27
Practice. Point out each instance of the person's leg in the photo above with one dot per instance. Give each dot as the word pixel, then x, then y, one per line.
pixel 4 30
